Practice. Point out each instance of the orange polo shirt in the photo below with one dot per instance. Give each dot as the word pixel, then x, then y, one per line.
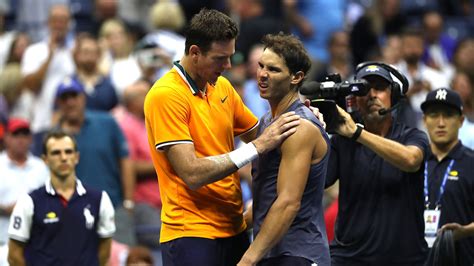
pixel 176 112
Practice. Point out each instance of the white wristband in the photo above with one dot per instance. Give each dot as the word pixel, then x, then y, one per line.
pixel 243 155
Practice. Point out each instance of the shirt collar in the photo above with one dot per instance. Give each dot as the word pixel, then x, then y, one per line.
pixel 79 187
pixel 186 77
pixel 456 153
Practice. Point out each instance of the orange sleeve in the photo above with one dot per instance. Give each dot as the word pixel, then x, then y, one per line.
pixel 168 114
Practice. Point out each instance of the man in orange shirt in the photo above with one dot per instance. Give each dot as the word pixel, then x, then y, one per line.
pixel 192 115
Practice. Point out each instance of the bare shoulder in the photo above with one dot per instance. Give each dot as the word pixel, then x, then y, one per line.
pixel 307 134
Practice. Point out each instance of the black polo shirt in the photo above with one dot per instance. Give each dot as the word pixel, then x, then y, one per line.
pixel 380 218
pixel 457 202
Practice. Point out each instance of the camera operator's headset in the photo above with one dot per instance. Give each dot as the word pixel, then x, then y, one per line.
pixel 399 85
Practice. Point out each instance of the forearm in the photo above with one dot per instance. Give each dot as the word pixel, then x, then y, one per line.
pixel 274 227
pixel 6 210
pixel 144 168
pixel 469 230
pixel 34 81
pixel 16 253
pixel 128 178
pixel 400 156
pixel 204 171
pixel 104 250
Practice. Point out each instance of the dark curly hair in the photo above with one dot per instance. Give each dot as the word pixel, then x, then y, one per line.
pixel 291 49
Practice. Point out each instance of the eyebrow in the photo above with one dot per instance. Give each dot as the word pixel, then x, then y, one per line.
pixel 57 152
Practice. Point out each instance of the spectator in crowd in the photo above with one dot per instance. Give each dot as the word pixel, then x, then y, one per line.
pixel 21 172
pixel 18 47
pixel 117 60
pixel 251 95
pixel 464 57
pixel 380 169
pixel 339 60
pixel 288 182
pixel 45 64
pixel 315 30
pixel 147 193
pixel 381 19
pixel 422 78
pixel 62 222
pixel 168 20
pixel 124 255
pixel 449 179
pixel 439 47
pixel 253 24
pixel 18 100
pixel 99 90
pixel 192 115
pixel 392 50
pixel 463 85
pixel 105 162
pixel 6 37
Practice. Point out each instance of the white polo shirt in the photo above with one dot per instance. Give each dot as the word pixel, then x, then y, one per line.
pixel 18 180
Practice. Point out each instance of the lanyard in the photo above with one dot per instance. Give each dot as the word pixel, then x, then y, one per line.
pixel 443 184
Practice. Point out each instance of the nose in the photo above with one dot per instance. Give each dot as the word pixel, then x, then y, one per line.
pixel 372 93
pixel 63 156
pixel 441 121
pixel 261 72
pixel 228 63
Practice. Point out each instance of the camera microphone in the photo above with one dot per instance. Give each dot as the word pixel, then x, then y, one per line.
pixel 384 111
pixel 310 88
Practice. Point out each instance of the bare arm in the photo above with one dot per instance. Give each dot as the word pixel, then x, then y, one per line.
pixel 128 178
pixel 296 19
pixel 298 152
pixel 34 81
pixel 143 168
pixel 406 158
pixel 6 210
pixel 16 253
pixel 460 231
pixel 104 250
pixel 197 172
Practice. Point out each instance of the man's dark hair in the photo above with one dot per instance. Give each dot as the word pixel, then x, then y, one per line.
pixel 413 32
pixel 56 134
pixel 207 27
pixel 291 49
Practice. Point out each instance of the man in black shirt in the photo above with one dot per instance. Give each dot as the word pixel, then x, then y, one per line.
pixel 449 176
pixel 380 169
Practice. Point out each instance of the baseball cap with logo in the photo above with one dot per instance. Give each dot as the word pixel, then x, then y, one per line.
pixel 374 70
pixel 69 85
pixel 443 96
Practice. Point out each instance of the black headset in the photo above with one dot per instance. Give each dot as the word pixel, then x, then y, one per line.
pixel 399 85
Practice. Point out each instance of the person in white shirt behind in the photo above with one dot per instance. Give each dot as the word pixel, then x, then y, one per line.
pixel 20 171
pixel 45 64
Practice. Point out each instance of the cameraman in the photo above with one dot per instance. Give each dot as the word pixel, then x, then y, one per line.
pixel 380 168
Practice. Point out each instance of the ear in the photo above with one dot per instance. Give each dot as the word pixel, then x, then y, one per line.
pixel 194 50
pixel 297 77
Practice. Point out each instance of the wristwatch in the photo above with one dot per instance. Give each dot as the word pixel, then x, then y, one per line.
pixel 358 131
pixel 128 204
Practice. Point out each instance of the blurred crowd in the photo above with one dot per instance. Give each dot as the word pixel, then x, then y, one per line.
pixel 85 66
